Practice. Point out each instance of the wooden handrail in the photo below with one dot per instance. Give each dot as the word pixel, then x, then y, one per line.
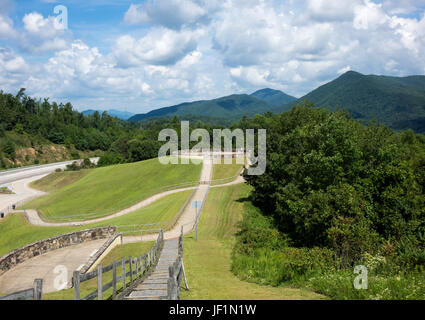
pixel 142 265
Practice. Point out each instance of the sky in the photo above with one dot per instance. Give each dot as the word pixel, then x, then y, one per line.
pixel 143 55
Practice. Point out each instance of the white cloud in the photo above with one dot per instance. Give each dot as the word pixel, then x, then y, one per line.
pixel 173 14
pixel 43 34
pixel 331 10
pixel 6 28
pixel 159 47
pixel 198 49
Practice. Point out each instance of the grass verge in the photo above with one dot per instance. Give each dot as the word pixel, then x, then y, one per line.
pixel 208 260
pixel 225 172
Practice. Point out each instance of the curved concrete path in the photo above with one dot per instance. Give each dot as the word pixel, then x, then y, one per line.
pixel 22 276
pixel 18 179
pixel 35 219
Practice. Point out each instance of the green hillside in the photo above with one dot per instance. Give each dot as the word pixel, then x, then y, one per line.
pixel 106 190
pixel 396 102
pixel 274 97
pixel 230 107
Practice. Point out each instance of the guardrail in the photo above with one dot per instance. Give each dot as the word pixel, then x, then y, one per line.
pixel 142 265
pixel 35 293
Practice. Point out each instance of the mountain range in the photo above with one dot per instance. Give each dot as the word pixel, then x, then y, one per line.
pixel 398 102
pixel 232 107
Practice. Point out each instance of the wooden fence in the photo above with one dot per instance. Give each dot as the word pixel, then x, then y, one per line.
pixel 35 293
pixel 176 273
pixel 138 268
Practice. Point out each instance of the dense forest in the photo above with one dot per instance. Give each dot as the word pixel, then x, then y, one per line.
pixel 336 194
pixel 30 129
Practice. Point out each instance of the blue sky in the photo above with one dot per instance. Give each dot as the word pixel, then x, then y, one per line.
pixel 142 55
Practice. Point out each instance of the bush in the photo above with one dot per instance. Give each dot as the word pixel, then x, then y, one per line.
pixel 9 149
pixel 75 155
pixel 109 158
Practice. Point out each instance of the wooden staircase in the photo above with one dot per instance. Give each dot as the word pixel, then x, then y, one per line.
pixel 156 285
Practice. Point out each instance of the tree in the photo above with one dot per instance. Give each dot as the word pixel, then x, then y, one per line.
pixel 9 149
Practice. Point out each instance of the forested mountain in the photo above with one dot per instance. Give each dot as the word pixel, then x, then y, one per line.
pixel 274 97
pixel 394 101
pixel 230 107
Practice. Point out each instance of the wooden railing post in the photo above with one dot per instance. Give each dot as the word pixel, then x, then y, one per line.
pixel 123 274
pixel 76 284
pixel 131 270
pixel 114 280
pixel 99 282
pixel 38 289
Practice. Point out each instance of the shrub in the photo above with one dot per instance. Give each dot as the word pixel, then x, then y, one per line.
pixel 109 158
pixel 9 149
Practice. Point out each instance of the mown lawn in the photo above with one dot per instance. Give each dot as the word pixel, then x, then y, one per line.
pixel 208 260
pixel 57 180
pixel 122 251
pixel 106 190
pixel 225 171
pixel 16 232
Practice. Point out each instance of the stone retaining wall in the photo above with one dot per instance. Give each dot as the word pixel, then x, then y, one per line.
pixel 32 250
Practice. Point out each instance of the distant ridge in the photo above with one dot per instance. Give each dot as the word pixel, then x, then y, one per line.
pixel 231 107
pixel 123 115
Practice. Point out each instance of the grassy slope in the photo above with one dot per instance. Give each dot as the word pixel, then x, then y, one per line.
pixel 57 180
pixel 208 260
pixel 16 231
pixel 126 250
pixel 225 171
pixel 109 189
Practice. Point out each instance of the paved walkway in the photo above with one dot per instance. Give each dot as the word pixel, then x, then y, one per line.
pixel 22 193
pixel 155 286
pixel 22 276
pixel 35 219
pixel 187 219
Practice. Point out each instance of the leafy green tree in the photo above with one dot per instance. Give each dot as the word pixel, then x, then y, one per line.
pixel 331 181
pixel 9 149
